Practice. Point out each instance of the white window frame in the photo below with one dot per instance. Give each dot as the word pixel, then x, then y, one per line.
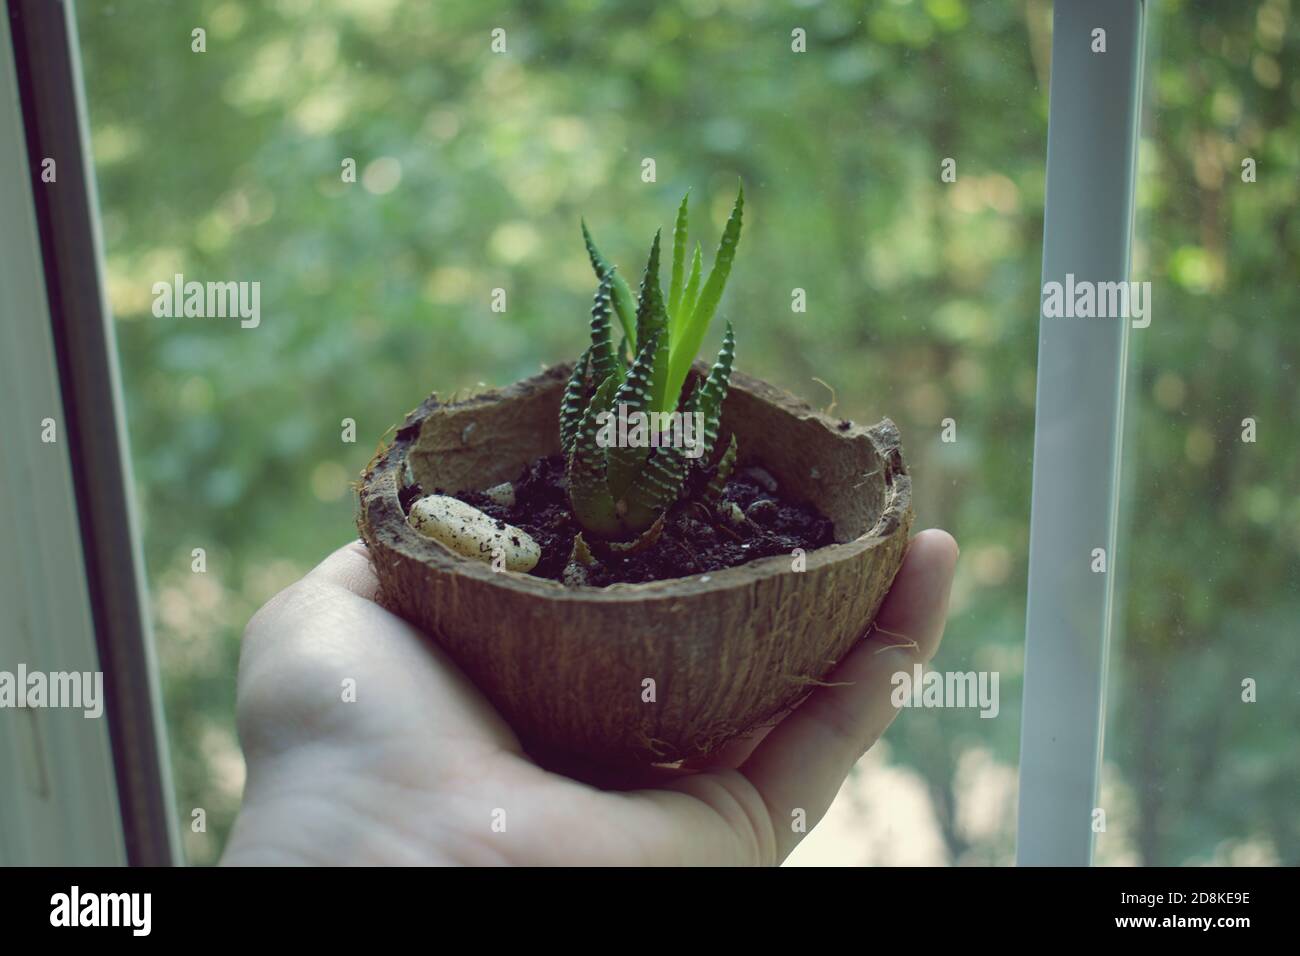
pixel 1078 426
pixel 75 791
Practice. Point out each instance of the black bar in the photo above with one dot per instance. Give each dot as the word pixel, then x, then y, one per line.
pixel 904 908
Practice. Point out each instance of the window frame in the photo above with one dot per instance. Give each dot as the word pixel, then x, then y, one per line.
pixel 104 788
pixel 1093 125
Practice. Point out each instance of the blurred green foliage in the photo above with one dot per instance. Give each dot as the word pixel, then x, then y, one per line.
pixel 473 169
pixel 1210 561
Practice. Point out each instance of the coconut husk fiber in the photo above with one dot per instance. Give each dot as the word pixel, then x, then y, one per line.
pixel 727 651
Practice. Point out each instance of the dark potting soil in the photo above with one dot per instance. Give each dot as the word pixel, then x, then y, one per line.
pixel 696 539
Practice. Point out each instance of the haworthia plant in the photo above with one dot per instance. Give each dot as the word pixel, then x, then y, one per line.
pixel 688 329
pixel 622 295
pixel 619 493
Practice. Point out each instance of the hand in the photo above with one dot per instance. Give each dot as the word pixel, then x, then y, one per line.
pixel 414 770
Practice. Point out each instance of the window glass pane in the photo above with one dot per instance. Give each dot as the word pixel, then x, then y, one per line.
pixel 472 170
pixel 1201 762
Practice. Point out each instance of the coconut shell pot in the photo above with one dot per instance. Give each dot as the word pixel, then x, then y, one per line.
pixel 728 651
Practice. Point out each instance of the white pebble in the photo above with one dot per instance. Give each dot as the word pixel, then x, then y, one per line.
pixel 762 476
pixel 468 531
pixel 503 494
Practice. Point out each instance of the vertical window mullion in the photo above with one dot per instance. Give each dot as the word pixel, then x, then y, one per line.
pixel 105 567
pixel 1091 159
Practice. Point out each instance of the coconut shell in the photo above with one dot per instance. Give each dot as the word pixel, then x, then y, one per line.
pixel 727 651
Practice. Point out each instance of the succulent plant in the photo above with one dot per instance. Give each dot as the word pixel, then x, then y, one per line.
pixel 620 492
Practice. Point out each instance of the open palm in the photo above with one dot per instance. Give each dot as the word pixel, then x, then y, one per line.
pixel 419 768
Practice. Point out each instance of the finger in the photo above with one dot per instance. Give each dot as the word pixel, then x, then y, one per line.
pixel 888 628
pixel 345 570
pixel 349 568
pixel 603 776
pixel 733 753
pixel 803 761
pixel 326 629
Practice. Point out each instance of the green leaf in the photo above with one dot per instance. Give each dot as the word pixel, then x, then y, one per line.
pixel 621 294
pixel 634 395
pixel 652 322
pixel 687 342
pixel 585 469
pixel 726 465
pixel 655 488
pixel 651 316
pixel 691 292
pixel 708 398
pixel 679 261
pixel 571 405
pixel 603 362
pixel 659 399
